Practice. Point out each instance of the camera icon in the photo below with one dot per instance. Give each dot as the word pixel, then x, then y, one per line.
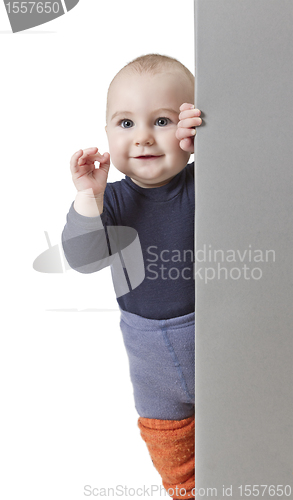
pixel 126 258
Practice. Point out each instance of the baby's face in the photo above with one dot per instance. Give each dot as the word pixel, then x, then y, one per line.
pixel 142 120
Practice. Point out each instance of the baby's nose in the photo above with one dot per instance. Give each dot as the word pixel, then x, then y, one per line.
pixel 144 138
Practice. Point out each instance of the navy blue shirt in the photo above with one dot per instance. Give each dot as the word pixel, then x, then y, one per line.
pixel 164 220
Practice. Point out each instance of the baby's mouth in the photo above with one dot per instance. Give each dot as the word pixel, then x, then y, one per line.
pixel 147 157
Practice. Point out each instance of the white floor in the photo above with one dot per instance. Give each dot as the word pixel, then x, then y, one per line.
pixel 68 422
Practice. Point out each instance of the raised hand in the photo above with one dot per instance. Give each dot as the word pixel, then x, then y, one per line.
pixel 189 118
pixel 86 177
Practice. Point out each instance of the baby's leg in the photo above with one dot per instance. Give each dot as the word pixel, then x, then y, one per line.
pixel 171 444
pixel 161 358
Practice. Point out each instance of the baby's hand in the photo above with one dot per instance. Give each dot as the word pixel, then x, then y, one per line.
pixel 86 177
pixel 189 119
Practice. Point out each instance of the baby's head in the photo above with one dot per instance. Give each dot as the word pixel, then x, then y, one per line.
pixel 142 115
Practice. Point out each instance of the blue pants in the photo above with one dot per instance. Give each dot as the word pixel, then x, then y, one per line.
pixel 162 364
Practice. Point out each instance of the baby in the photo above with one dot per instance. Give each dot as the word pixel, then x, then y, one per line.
pixel 150 124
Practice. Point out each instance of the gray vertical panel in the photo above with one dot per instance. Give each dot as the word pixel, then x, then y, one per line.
pixel 244 193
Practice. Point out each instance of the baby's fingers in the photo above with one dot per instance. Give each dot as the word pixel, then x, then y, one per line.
pixel 186 106
pixel 74 160
pixel 188 111
pixel 189 122
pixel 187 144
pixel 105 163
pixel 89 155
pixel 105 159
pixel 90 159
pixel 80 157
pixel 184 133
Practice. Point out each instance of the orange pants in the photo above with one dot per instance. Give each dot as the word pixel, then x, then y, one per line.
pixel 172 449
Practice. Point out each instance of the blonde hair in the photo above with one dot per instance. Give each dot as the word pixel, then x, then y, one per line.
pixel 153 64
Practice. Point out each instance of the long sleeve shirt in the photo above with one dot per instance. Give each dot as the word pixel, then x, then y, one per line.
pixel 163 219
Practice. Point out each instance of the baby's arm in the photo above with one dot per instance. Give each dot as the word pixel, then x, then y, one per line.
pixel 89 181
pixel 84 238
pixel 189 119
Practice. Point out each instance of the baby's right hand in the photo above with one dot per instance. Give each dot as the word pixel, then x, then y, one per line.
pixel 86 177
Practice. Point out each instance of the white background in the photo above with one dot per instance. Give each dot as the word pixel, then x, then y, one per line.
pixel 67 418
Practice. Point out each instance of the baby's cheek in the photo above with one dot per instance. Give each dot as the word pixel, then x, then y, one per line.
pixel 175 143
pixel 115 146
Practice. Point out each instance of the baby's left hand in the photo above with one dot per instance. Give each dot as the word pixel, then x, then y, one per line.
pixel 189 119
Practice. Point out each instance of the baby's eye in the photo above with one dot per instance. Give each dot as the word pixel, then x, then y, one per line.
pixel 126 123
pixel 162 122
